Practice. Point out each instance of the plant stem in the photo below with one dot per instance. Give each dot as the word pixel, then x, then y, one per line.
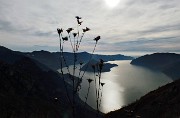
pixel 71 41
pixel 95 83
pixel 62 74
pixel 65 59
pixel 101 97
pixel 89 60
pixel 80 41
pixel 74 69
pixel 79 80
pixel 87 96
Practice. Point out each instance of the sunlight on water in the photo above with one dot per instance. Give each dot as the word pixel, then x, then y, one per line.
pixel 124 84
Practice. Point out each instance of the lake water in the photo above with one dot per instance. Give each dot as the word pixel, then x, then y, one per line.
pixel 123 85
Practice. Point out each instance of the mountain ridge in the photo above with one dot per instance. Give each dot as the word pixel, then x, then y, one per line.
pixel 168 63
pixel 26 90
pixel 51 59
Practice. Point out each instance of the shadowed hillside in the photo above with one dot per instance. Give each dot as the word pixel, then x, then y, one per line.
pixel 161 103
pixel 27 91
pixel 168 63
pixel 11 57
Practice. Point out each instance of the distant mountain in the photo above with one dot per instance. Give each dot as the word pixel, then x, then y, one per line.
pixel 52 59
pixel 168 63
pixel 88 66
pixel 112 57
pixel 26 90
pixel 11 57
pixel 160 103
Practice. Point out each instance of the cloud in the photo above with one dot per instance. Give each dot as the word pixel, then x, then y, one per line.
pixel 5 25
pixel 159 29
pixel 131 20
pixel 168 44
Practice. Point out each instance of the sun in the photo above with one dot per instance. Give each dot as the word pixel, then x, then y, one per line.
pixel 112 3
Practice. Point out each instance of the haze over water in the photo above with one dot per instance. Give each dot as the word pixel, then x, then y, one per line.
pixel 124 84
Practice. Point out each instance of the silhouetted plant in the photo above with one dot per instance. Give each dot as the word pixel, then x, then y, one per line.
pixel 89 81
pixel 98 67
pixel 61 62
pixel 102 84
pixel 78 17
pixel 76 82
pixel 65 38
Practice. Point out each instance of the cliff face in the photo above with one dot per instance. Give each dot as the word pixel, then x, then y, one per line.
pixel 168 63
pixel 161 103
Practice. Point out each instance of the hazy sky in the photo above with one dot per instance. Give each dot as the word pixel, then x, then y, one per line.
pixel 124 25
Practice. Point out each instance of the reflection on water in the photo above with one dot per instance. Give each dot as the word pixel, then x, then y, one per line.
pixel 124 84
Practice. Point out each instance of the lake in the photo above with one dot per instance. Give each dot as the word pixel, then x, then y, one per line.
pixel 123 85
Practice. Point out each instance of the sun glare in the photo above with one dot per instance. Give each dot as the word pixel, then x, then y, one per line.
pixel 112 3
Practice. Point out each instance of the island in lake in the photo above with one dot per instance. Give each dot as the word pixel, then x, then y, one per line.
pixel 106 66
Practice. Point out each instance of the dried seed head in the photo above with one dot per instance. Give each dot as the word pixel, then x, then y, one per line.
pixel 74 34
pixel 59 31
pixel 89 80
pixel 97 38
pixel 77 17
pixel 65 38
pixel 69 30
pixel 81 63
pixel 86 29
pixel 102 84
pixel 79 22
